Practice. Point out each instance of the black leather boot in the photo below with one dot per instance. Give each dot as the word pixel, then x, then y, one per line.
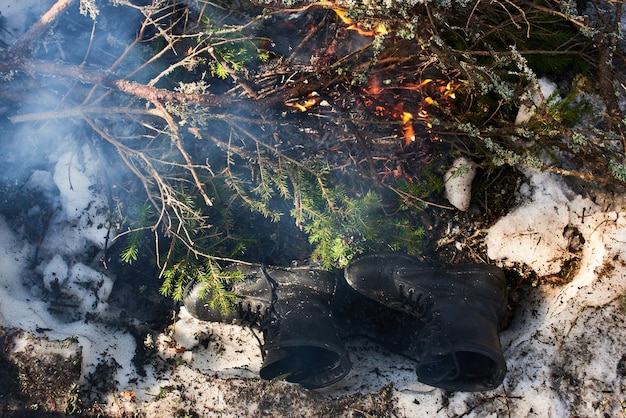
pixel 291 306
pixel 457 311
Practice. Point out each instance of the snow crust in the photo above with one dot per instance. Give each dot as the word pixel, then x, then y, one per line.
pixel 564 348
pixel 534 232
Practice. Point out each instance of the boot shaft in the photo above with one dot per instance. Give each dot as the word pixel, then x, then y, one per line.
pixel 457 311
pixel 304 345
pixel 458 349
pixel 291 306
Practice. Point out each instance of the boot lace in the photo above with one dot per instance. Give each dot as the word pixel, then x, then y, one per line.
pixel 429 335
pixel 414 301
pixel 265 318
pixel 253 315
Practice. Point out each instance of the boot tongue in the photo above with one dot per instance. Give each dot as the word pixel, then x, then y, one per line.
pixel 401 272
pixel 415 271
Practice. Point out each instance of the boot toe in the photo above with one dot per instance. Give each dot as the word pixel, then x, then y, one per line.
pixel 372 274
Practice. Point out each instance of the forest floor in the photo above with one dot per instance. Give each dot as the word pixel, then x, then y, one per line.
pixel 84 334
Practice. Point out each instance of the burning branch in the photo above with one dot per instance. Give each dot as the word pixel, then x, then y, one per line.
pixel 380 29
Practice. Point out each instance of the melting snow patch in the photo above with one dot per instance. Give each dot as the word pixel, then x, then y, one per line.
pixel 534 232
pixel 55 272
pixel 458 182
pixel 565 344
pixel 81 202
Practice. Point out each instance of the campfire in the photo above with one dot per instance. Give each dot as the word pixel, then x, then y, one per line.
pixel 316 102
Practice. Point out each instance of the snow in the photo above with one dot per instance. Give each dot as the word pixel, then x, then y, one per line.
pixel 542 91
pixel 563 338
pixel 55 271
pixel 82 204
pixel 458 183
pixel 533 233
pixel 15 308
pixel 564 347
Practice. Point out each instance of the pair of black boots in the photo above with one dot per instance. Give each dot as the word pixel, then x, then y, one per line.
pixel 444 318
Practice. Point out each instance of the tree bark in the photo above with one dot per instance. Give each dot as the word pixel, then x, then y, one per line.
pixel 47 68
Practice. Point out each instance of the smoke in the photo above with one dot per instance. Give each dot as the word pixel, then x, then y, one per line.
pixel 19 16
pixel 63 186
pixel 113 110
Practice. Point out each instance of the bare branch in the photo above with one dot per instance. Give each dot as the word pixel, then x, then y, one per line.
pixel 111 81
pixel 179 144
pixel 24 44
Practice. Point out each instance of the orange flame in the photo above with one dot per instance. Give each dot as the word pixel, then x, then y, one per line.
pixel 303 105
pixel 407 128
pixel 448 90
pixel 416 87
pixel 432 92
pixel 380 29
pixel 342 15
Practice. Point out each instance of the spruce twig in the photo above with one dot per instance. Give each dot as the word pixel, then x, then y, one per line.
pixel 110 81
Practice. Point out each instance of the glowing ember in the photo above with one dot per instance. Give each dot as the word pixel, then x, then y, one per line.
pixel 383 97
